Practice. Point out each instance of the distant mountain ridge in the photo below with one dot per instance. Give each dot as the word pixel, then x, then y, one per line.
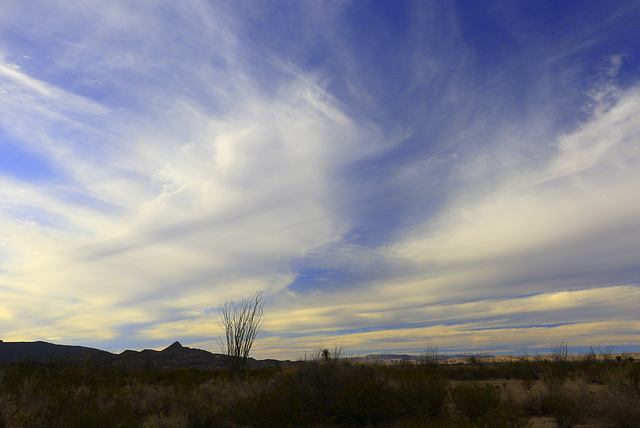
pixel 420 357
pixel 36 351
pixel 174 356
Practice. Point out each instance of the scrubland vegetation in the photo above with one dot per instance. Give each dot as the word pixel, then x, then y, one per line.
pixel 325 391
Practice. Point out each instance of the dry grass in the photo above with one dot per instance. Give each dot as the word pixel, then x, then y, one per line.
pixel 619 401
pixel 326 392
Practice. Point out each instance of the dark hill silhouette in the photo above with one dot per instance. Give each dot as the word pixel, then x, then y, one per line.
pixel 174 356
pixel 36 351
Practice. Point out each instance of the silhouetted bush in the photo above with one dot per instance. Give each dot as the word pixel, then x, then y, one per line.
pixel 475 399
pixel 568 402
pixel 326 391
pixel 619 402
pixel 424 396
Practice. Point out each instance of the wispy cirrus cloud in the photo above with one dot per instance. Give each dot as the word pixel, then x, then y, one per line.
pixel 169 206
pixel 417 189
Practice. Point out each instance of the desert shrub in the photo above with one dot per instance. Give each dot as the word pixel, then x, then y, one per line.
pixel 424 396
pixel 466 372
pixel 201 407
pixel 364 399
pixel 152 399
pixel 345 393
pixel 560 352
pixel 97 408
pixel 159 420
pixel 70 396
pixel 567 401
pixel 430 357
pixel 33 398
pixel 522 369
pixel 500 418
pixel 477 358
pixel 485 371
pixel 282 404
pixel 323 392
pixel 619 402
pixel 475 399
pixel 527 383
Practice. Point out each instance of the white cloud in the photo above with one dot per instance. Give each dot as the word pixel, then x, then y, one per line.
pixel 570 223
pixel 581 193
pixel 186 172
pixel 189 206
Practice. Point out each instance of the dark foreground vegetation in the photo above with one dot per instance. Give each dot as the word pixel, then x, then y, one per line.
pixel 324 392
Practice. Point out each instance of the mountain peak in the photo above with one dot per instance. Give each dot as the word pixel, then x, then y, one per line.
pixel 174 346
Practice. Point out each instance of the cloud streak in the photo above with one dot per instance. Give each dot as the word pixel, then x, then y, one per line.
pixel 384 195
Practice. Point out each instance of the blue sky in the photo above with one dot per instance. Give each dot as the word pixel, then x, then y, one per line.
pixel 392 174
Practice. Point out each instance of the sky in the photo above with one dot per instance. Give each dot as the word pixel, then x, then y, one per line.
pixel 392 174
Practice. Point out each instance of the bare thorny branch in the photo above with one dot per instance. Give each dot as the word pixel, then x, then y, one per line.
pixel 241 322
